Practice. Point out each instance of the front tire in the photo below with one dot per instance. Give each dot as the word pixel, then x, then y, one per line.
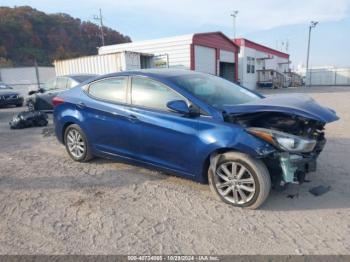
pixel 76 144
pixel 31 106
pixel 240 180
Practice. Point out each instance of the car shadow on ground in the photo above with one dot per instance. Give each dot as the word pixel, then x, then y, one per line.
pixel 109 178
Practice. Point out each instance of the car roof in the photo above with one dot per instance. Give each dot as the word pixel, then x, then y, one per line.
pixel 80 77
pixel 157 73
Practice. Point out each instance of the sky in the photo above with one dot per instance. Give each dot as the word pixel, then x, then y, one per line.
pixel 269 22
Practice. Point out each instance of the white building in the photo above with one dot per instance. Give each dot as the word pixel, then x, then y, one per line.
pixel 212 53
pixel 257 61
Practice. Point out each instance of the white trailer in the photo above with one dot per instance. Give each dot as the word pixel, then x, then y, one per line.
pixel 104 64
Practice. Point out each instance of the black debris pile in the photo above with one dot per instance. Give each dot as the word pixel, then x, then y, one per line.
pixel 29 119
pixel 319 190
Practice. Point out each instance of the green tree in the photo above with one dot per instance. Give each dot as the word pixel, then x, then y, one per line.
pixel 27 34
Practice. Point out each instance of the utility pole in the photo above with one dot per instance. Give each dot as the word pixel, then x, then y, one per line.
pixel 312 25
pixel 287 49
pixel 37 73
pixel 100 18
pixel 234 15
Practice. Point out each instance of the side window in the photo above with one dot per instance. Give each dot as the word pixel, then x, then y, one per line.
pixel 149 93
pixel 71 83
pixel 112 89
pixel 61 83
pixel 49 85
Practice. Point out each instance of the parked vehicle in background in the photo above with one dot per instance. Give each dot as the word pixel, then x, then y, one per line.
pixel 4 86
pixel 9 97
pixel 41 99
pixel 195 125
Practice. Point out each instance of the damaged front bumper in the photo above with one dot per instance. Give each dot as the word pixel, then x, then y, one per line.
pixel 294 167
pixel 288 167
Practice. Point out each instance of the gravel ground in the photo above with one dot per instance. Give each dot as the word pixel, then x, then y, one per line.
pixel 52 205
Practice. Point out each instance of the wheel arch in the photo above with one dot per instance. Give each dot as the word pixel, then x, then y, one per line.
pixel 206 163
pixel 222 150
pixel 64 128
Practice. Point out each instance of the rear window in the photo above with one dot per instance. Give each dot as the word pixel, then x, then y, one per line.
pixel 111 89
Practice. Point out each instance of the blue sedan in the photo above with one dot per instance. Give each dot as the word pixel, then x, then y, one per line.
pixel 195 125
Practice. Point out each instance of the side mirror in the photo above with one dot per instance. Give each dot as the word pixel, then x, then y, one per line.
pixel 179 106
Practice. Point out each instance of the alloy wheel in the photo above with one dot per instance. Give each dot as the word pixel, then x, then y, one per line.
pixel 234 182
pixel 75 143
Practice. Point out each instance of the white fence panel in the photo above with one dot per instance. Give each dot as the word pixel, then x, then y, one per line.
pixel 328 76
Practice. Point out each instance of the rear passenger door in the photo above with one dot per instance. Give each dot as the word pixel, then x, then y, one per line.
pixel 110 129
pixel 165 138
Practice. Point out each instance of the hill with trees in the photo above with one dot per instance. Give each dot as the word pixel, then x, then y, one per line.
pixel 27 34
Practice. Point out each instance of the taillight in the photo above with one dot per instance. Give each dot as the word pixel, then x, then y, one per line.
pixel 57 101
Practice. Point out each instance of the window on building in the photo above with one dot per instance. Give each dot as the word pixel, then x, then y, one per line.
pixel 250 65
pixel 152 94
pixel 111 89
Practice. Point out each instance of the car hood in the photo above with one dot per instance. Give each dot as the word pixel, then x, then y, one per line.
pixel 293 104
pixel 8 92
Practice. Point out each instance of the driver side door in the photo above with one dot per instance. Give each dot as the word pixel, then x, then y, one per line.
pixel 165 138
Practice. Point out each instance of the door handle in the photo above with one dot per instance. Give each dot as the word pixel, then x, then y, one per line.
pixel 133 118
pixel 81 105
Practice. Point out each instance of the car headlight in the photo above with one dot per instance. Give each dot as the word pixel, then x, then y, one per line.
pixel 284 141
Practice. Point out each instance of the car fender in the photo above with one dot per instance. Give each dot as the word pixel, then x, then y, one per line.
pixel 64 116
pixel 230 139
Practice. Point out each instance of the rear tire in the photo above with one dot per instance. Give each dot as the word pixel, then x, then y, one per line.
pixel 248 189
pixel 76 144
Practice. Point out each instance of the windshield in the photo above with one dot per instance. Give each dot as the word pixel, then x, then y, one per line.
pixel 215 91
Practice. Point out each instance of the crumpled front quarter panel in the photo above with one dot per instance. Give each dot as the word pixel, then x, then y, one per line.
pixel 216 135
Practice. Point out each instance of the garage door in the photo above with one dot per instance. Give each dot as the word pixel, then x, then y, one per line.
pixel 204 59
